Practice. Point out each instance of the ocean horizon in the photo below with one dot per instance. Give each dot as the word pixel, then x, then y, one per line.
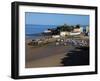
pixel 38 29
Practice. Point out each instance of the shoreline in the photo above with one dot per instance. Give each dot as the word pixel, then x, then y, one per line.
pixel 45 56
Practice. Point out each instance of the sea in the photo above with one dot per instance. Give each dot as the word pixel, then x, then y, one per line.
pixel 34 31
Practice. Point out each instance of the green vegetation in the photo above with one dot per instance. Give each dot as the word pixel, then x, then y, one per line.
pixel 66 27
pixel 77 26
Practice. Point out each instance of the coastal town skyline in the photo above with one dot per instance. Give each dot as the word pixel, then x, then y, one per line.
pixel 32 18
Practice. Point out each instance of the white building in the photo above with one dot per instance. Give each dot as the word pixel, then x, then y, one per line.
pixel 87 29
pixel 55 36
pixel 75 33
pixel 81 29
pixel 47 31
pixel 78 29
pixel 64 33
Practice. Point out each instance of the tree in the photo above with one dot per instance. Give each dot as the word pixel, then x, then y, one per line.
pixel 65 27
pixel 77 26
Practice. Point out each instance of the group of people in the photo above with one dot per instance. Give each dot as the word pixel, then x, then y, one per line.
pixel 74 42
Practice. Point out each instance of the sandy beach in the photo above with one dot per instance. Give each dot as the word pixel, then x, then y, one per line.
pixel 52 55
pixel 45 56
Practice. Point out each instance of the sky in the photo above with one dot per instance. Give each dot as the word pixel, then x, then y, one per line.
pixel 55 19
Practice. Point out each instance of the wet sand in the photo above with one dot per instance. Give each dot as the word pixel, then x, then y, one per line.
pixel 45 56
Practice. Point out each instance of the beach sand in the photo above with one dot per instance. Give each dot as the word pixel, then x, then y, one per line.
pixel 45 56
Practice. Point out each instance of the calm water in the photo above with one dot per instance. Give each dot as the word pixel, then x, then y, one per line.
pixel 33 31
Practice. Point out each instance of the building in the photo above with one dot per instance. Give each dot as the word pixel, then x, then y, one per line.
pixel 75 33
pixel 81 29
pixel 64 33
pixel 77 30
pixel 55 36
pixel 47 31
pixel 87 29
